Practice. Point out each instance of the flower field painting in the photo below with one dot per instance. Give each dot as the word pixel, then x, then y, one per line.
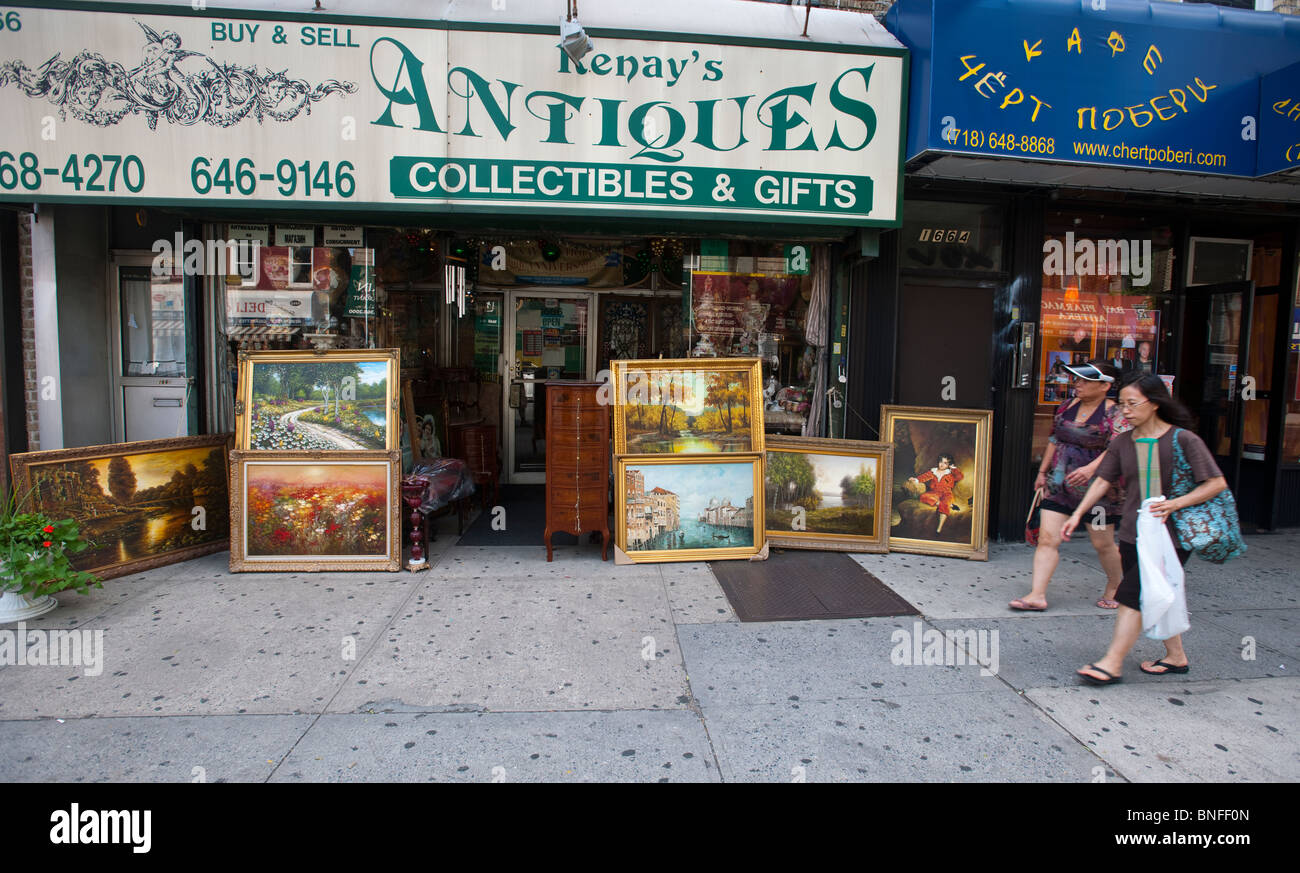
pixel 312 513
pixel 336 401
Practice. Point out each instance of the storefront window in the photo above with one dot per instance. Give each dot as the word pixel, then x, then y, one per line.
pixel 1106 297
pixel 752 300
pixel 1291 438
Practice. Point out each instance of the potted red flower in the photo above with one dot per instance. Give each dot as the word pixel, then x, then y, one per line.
pixel 35 562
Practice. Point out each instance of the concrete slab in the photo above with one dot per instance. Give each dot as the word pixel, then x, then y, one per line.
pixel 148 749
pixel 954 587
pixel 695 595
pixel 628 746
pixel 1217 731
pixel 1275 629
pixel 252 643
pixel 1047 650
pixel 750 663
pixel 485 564
pixel 541 640
pixel 990 736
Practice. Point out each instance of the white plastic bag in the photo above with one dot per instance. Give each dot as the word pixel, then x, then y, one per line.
pixel 1164 598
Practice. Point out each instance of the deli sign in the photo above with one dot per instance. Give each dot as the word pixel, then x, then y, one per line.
pixel 220 109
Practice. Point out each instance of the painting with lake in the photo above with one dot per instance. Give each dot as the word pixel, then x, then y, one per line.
pixel 690 509
pixel 688 406
pixel 827 493
pixel 141 505
pixel 300 401
pixel 336 511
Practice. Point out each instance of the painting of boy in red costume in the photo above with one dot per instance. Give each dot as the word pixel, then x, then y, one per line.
pixel 939 482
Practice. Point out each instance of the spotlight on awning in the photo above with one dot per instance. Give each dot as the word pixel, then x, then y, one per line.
pixel 573 39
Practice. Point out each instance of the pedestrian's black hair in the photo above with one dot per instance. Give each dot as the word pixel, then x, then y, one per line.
pixel 1152 387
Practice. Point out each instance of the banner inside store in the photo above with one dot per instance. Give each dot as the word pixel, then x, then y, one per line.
pixel 219 109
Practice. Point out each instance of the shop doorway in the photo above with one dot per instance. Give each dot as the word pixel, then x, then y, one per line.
pixel 548 337
pixel 152 380
pixel 943 346
pixel 1215 356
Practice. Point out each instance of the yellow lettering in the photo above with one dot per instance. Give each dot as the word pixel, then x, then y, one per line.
pixel 998 77
pixel 1149 62
pixel 1093 110
pixel 1074 42
pixel 1038 104
pixel 1116 43
pixel 1134 115
pixel 1294 114
pixel 1014 92
pixel 1205 89
pixel 1106 115
pixel 1031 51
pixel 970 71
pixel 1280 106
pixel 1179 96
pixel 1159 112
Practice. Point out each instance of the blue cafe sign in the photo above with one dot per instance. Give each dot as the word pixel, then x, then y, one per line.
pixel 1131 83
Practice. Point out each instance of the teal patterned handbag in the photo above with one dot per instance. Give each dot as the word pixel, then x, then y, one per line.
pixel 1210 529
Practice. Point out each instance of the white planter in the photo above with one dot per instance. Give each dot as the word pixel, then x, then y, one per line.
pixel 20 607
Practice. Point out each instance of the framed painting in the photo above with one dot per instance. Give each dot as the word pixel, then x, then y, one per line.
pixel 141 505
pixel 939 498
pixel 425 424
pixel 688 406
pixel 323 400
pixel 676 508
pixel 828 494
pixel 315 511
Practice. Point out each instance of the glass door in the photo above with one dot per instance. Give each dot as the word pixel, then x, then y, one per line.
pixel 547 338
pixel 1216 352
pixel 152 378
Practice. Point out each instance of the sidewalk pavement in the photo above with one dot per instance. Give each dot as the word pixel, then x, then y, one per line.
pixel 497 666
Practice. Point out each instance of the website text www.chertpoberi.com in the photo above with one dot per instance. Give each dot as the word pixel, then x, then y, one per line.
pixel 1152 155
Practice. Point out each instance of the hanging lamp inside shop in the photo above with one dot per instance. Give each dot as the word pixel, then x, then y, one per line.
pixel 454 276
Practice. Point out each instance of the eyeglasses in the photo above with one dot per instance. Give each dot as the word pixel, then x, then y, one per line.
pixel 1132 404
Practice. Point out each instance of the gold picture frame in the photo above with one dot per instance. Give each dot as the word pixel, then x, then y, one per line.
pixel 301 419
pixel 704 429
pixel 925 494
pixel 656 494
pixel 301 537
pixel 124 506
pixel 797 466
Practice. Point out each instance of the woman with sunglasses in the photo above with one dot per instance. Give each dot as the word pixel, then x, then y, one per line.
pixel 1144 456
pixel 1081 430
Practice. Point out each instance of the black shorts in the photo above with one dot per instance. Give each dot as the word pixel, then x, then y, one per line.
pixel 1057 507
pixel 1130 587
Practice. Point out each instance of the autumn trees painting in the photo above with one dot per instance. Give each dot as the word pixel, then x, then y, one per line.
pixel 688 407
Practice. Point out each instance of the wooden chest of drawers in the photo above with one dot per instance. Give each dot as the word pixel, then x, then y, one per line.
pixel 577 462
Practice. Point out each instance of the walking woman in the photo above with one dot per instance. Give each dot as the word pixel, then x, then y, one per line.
pixel 1144 456
pixel 1081 430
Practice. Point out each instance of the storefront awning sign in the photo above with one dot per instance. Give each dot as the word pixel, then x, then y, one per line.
pixel 308 109
pixel 1127 83
pixel 1279 120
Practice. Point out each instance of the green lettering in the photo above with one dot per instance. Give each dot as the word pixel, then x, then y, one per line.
pixel 416 93
pixel 783 120
pixel 859 109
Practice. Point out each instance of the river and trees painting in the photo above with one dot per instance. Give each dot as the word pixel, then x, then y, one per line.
pixel 336 401
pixel 140 505
pixel 827 494
pixel 685 509
pixel 692 406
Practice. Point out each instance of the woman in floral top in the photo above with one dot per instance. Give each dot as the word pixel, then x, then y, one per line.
pixel 1081 430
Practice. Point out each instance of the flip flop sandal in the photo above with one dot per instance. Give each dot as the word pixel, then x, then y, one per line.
pixel 1106 603
pixel 1093 680
pixel 1169 668
pixel 1020 604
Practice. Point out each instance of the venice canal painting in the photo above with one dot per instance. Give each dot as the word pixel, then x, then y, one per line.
pixel 315 508
pixel 321 405
pixel 689 506
pixel 136 508
pixel 688 411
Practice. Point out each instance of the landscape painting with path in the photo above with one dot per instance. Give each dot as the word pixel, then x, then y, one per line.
pixel 320 405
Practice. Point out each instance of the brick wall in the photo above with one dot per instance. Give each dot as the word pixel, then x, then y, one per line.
pixel 30 386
